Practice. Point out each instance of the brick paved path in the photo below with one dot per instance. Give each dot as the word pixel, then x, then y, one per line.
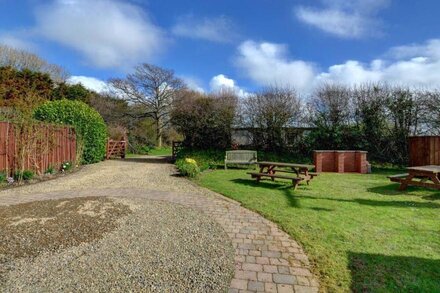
pixel 266 258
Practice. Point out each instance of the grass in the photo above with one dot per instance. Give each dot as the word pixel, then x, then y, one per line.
pixel 163 151
pixel 360 233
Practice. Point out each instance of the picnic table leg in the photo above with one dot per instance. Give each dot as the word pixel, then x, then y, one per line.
pixel 404 184
pixel 294 184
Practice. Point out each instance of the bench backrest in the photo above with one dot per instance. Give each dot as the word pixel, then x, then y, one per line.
pixel 241 156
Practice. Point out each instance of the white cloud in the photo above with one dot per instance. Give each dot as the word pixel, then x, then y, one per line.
pixel 416 65
pixel 216 29
pixel 17 40
pixel 193 83
pixel 346 19
pixel 268 64
pixel 90 83
pixel 108 33
pixel 222 83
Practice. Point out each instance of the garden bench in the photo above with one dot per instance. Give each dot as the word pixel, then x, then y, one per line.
pixel 295 180
pixel 241 157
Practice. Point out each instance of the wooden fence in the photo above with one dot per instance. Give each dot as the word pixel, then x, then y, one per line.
pixel 424 150
pixel 45 146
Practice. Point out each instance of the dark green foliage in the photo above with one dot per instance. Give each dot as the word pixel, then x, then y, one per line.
pixel 205 121
pixel 72 92
pixel 2 177
pixel 89 125
pixel 50 170
pixel 24 175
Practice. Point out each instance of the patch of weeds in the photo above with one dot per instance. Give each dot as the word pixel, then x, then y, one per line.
pixel 66 166
pixel 50 170
pixel 24 175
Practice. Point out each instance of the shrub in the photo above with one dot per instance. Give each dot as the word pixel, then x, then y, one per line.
pixel 2 177
pixel 50 170
pixel 24 175
pixel 90 127
pixel 188 167
pixel 66 166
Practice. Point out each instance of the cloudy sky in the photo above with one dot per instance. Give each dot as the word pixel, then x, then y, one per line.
pixel 244 45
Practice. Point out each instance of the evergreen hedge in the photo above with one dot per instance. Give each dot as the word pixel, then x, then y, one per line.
pixel 90 128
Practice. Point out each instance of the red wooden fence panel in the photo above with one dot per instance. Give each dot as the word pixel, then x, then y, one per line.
pixel 48 146
pixel 424 150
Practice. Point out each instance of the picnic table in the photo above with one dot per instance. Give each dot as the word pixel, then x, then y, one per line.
pixel 424 176
pixel 269 169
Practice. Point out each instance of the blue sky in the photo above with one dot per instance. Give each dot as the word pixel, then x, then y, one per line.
pixel 244 45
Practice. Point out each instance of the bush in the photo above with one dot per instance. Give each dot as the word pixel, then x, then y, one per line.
pixel 188 167
pixel 206 159
pixel 90 127
pixel 205 121
pixel 3 177
pixel 24 175
pixel 50 170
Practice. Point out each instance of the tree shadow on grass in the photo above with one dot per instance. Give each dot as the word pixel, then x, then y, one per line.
pixel 392 189
pixel 382 273
pixel 380 203
pixel 284 186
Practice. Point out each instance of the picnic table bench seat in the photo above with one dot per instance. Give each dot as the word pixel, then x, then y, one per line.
pixel 398 177
pixel 295 180
pixel 241 157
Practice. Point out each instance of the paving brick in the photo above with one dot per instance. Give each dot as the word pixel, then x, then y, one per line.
pixel 245 275
pixel 270 287
pixel 282 288
pixel 284 279
pixel 252 267
pixel 256 286
pixel 264 277
pixel 305 289
pixel 239 284
pixel 270 269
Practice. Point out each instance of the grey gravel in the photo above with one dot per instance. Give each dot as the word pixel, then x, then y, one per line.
pixel 159 247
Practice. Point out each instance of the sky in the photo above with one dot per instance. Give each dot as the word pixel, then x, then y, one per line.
pixel 243 45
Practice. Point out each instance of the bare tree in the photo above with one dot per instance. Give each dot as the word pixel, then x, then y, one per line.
pixel 151 90
pixel 20 59
pixel 268 113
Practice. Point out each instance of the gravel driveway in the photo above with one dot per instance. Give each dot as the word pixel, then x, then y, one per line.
pixel 177 237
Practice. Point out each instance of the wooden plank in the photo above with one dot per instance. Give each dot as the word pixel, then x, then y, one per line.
pixel 280 164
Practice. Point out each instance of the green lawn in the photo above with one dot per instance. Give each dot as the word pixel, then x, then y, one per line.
pixel 163 151
pixel 360 233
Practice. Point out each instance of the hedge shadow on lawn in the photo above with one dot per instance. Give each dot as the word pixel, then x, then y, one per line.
pixel 382 273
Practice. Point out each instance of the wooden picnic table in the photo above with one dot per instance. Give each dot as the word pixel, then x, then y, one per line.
pixel 424 176
pixel 269 169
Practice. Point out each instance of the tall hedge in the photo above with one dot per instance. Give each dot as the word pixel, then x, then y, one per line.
pixel 90 127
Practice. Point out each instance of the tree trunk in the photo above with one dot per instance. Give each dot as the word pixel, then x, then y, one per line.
pixel 158 133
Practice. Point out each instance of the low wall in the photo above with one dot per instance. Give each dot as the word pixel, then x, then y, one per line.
pixel 341 161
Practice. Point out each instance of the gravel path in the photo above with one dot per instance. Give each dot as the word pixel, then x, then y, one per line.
pixel 265 258
pixel 160 247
